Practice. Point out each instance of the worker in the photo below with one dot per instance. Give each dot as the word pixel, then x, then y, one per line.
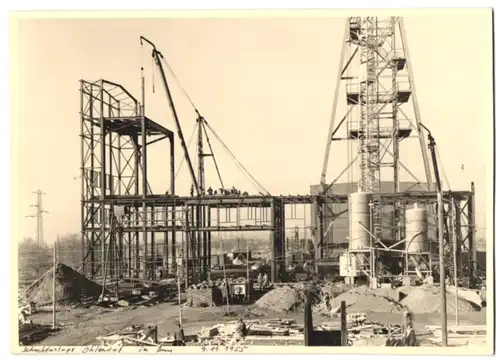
pixel 259 281
pixel 192 190
pixel 409 338
pixel 210 191
pixel 225 292
pixel 327 303
pixel 179 337
pixel 265 280
pixel 240 331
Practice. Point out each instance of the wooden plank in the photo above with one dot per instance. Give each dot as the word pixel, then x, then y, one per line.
pixel 460 327
pixel 276 338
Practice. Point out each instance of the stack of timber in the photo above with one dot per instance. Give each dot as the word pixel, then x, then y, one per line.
pixel 460 335
pixel 135 335
pixel 259 332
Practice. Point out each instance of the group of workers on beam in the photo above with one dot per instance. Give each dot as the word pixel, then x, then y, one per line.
pixel 221 191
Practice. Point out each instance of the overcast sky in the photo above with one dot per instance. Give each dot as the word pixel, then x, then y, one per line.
pixel 265 85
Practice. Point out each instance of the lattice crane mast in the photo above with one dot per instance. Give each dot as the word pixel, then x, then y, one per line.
pixel 157 57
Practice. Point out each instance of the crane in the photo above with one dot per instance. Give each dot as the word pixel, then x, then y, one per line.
pixel 432 148
pixel 157 57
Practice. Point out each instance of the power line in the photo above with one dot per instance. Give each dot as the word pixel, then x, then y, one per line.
pixel 39 217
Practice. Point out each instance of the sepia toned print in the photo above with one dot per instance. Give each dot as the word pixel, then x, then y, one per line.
pixel 254 183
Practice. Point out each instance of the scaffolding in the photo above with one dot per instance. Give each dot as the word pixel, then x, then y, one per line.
pixel 115 135
pixel 376 71
pixel 122 217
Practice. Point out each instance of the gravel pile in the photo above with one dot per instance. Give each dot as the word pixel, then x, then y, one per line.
pixel 286 297
pixel 71 287
pixel 424 299
pixel 362 299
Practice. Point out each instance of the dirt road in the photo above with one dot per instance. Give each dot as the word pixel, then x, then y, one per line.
pixel 82 326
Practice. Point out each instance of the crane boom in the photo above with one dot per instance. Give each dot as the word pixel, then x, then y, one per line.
pixel 432 148
pixel 157 56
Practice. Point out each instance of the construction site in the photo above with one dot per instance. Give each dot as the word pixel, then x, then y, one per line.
pixel 375 243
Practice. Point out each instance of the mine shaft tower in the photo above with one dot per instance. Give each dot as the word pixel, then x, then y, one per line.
pixel 382 110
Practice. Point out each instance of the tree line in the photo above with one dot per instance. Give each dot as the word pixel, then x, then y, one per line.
pixel 35 259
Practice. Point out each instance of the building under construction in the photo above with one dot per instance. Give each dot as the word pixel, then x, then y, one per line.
pixel 360 225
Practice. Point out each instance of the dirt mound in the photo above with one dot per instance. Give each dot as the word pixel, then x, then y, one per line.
pixel 334 290
pixel 424 299
pixel 71 286
pixel 286 298
pixel 362 299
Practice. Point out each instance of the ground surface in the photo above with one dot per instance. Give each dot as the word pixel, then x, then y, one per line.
pixel 81 326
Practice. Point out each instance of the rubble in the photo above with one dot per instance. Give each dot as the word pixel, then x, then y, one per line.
pixel 287 331
pixel 132 336
pixel 257 331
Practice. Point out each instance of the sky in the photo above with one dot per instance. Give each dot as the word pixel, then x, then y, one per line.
pixel 265 85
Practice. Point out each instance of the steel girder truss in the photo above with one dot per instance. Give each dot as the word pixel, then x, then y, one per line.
pixel 377 72
pixel 460 217
pixel 114 135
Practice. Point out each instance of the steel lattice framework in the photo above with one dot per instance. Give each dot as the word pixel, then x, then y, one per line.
pixel 114 139
pixel 380 91
pixel 115 135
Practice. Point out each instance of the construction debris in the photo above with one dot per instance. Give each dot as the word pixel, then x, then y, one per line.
pixel 135 335
pixel 256 331
pixel 460 335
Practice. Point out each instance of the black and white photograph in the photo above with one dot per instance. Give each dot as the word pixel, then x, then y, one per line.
pixel 253 181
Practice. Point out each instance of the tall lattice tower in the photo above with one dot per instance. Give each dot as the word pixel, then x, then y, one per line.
pixel 381 110
pixel 39 217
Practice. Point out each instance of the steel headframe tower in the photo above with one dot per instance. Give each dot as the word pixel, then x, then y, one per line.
pixel 376 70
pixel 39 217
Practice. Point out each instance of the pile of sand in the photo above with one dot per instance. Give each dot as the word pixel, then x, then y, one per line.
pixel 426 299
pixel 71 286
pixel 285 298
pixel 334 289
pixel 362 299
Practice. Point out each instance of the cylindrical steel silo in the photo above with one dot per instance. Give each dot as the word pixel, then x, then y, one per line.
pixel 417 225
pixel 359 220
